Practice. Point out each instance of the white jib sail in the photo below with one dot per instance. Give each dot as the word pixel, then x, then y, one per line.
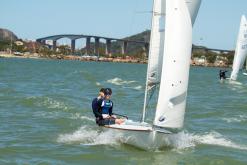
pixel 157 41
pixel 175 68
pixel 155 48
pixel 241 49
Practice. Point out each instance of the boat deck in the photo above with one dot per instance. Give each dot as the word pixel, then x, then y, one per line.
pixel 135 126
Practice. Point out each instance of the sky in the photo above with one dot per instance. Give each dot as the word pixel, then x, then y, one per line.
pixel 216 26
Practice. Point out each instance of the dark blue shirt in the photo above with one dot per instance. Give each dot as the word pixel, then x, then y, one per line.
pixel 96 106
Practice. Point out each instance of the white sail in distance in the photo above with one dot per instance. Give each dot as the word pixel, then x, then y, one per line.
pixel 175 67
pixel 241 49
pixel 157 42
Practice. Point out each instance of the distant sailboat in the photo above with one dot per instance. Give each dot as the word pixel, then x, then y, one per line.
pixel 241 49
pixel 167 73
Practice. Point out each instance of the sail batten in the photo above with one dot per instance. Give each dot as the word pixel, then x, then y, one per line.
pixel 241 49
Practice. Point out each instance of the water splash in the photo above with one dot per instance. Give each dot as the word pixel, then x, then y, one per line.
pixel 88 136
pixel 180 141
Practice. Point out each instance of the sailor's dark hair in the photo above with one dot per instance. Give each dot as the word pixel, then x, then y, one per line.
pixel 102 90
pixel 107 91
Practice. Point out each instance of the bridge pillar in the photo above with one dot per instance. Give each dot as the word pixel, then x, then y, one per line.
pixel 124 47
pixel 54 45
pixel 146 49
pixel 88 45
pixel 73 46
pixel 43 42
pixel 96 46
pixel 108 47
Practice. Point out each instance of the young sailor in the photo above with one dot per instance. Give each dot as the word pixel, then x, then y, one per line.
pixel 222 74
pixel 95 105
pixel 105 107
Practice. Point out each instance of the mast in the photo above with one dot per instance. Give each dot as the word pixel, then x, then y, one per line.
pixel 246 64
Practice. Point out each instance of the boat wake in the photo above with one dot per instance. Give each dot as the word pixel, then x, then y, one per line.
pixel 184 140
pixel 181 141
pixel 89 136
pixel 234 82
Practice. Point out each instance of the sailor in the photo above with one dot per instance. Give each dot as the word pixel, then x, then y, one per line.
pixel 95 105
pixel 105 107
pixel 222 74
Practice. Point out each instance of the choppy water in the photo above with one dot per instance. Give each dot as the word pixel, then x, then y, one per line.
pixel 45 115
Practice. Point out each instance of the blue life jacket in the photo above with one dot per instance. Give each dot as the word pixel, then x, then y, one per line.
pixel 106 106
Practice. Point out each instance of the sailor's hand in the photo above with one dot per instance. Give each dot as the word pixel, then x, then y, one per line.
pixel 105 116
pixel 114 116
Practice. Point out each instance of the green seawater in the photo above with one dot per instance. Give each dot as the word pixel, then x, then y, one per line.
pixel 46 117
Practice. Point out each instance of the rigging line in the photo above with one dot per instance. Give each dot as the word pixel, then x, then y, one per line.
pixel 151 12
pixel 153 88
pixel 151 92
pixel 133 17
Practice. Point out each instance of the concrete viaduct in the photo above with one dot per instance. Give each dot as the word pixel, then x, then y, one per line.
pixel 211 49
pixel 97 39
pixel 108 40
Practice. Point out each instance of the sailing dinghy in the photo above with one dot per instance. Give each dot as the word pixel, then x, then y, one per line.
pixel 167 74
pixel 241 49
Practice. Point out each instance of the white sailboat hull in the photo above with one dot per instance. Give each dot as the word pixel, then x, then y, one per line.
pixel 143 137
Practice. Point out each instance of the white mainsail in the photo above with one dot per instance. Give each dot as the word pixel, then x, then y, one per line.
pixel 156 49
pixel 175 68
pixel 241 49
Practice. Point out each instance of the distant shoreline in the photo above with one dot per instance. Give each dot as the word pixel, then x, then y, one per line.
pixel 94 59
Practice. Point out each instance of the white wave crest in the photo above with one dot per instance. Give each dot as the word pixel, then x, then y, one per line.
pixel 79 116
pixel 47 115
pixel 53 104
pixel 119 81
pixel 237 119
pixel 97 83
pixel 184 140
pixel 139 87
